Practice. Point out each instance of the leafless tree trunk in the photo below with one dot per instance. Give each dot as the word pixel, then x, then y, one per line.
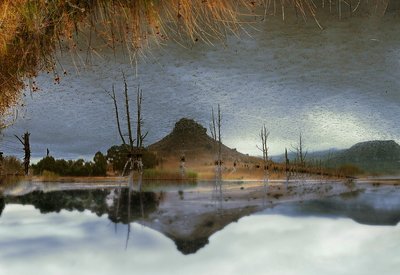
pixel 139 136
pixel 215 128
pixel 27 151
pixel 301 156
pixel 287 168
pixel 114 98
pixel 135 155
pixel 128 116
pixel 264 134
pixel 300 153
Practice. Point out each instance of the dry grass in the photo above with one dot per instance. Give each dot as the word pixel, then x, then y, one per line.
pixel 32 30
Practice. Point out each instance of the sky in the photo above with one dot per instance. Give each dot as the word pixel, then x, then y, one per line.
pixel 337 87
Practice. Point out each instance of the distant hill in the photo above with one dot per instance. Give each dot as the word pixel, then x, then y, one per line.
pixel 190 138
pixel 373 157
pixel 310 155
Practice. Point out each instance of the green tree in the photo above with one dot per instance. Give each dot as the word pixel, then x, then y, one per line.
pixel 47 163
pixel 100 165
pixel 118 155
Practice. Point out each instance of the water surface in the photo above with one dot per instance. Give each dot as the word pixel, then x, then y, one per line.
pixel 94 232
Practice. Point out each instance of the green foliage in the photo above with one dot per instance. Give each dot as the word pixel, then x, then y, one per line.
pixel 77 168
pixel 100 165
pixel 117 155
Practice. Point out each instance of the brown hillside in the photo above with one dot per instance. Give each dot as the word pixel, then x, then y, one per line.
pixel 190 138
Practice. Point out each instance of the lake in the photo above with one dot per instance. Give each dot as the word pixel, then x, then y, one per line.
pixel 186 229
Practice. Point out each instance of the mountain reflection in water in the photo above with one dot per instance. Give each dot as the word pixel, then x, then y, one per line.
pixel 68 231
pixel 376 207
pixel 191 225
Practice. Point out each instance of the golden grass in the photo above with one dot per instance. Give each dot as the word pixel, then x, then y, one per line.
pixel 32 30
pixel 155 174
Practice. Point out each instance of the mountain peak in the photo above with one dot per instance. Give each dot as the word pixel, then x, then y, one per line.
pixel 187 126
pixel 190 138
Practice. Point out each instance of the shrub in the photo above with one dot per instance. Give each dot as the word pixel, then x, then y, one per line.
pixel 77 168
pixel 12 166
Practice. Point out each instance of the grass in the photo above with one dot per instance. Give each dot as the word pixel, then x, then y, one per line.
pixel 48 176
pixel 155 174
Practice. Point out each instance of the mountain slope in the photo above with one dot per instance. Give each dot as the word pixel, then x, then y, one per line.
pixel 190 138
pixel 374 157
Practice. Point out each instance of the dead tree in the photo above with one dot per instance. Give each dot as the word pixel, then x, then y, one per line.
pixel 287 168
pixel 114 98
pixel 128 116
pixel 215 129
pixel 264 134
pixel 139 136
pixel 135 153
pixel 301 156
pixel 27 151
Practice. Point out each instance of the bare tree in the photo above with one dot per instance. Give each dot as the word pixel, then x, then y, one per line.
pixel 215 128
pixel 301 155
pixel 264 134
pixel 287 168
pixel 114 98
pixel 135 153
pixel 27 151
pixel 128 116
pixel 139 136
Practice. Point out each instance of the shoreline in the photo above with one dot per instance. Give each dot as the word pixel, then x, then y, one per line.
pixel 277 189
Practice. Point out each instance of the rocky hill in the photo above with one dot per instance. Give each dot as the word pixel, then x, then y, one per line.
pixel 190 138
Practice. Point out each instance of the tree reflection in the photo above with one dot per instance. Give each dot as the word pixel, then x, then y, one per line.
pixel 2 205
pixel 124 207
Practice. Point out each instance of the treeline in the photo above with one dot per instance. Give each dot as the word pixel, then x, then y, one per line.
pixel 75 168
pixel 117 157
